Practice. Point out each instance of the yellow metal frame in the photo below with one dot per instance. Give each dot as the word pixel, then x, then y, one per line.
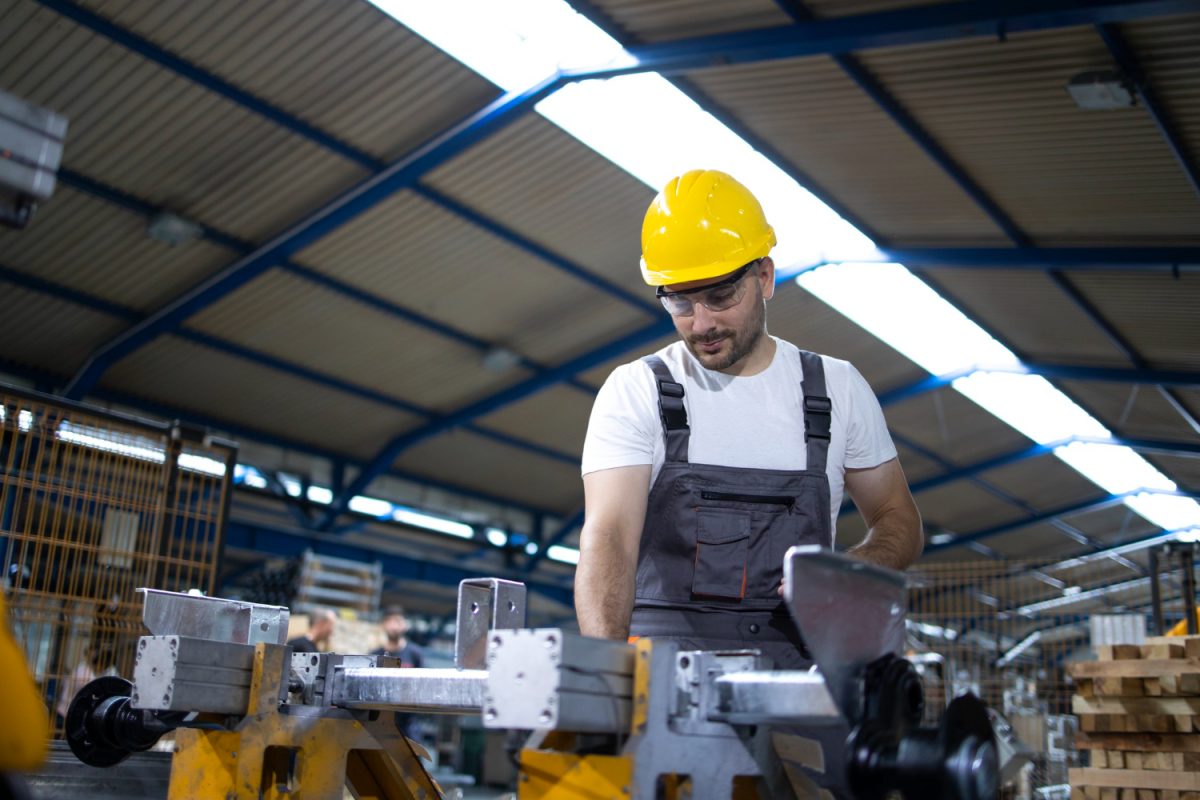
pixel 330 751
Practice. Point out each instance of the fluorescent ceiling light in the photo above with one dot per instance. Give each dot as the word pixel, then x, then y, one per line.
pixel 195 463
pixel 642 123
pixel 896 306
pixel 646 126
pixel 320 494
pixel 567 555
pixel 410 516
pixel 1026 643
pixel 496 536
pixel 371 506
pixel 531 548
pixel 25 419
pixel 110 442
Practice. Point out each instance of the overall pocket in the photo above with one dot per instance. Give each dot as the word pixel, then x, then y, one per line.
pixel 722 551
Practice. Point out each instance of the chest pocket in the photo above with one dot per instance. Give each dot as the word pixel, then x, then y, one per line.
pixel 722 553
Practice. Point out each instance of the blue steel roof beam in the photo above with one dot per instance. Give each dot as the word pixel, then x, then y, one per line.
pixel 1047 516
pixel 1091 259
pixel 1068 530
pixel 402 174
pixel 528 245
pixel 389 453
pixel 871 86
pixel 564 530
pixel 129 202
pixel 148 406
pixel 879 94
pixel 296 370
pixel 1129 64
pixel 906 26
pixel 1121 343
pixel 1154 377
pixel 152 52
pixel 297 126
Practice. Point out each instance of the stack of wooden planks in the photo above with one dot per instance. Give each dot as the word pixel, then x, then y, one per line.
pixel 1139 716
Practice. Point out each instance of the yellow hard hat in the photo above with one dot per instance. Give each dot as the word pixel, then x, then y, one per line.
pixel 703 224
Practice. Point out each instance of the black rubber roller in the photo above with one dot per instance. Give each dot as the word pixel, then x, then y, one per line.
pixel 102 728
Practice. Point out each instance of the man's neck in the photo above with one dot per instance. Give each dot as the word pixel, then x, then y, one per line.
pixel 399 644
pixel 757 360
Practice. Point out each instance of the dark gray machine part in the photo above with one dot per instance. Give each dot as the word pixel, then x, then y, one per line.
pixel 141 776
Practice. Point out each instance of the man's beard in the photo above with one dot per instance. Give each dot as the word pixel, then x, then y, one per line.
pixel 740 342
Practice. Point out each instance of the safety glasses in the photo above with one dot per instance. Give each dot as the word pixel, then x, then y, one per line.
pixel 717 296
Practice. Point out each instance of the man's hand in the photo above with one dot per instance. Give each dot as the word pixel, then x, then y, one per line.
pixel 894 537
pixel 615 500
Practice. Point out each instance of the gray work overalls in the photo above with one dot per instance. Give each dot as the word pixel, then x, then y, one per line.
pixel 712 548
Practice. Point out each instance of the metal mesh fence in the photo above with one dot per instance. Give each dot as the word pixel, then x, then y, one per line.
pixel 1005 630
pixel 94 505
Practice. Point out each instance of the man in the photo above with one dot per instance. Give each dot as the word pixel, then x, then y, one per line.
pixel 321 623
pixel 704 463
pixel 397 645
pixel 395 630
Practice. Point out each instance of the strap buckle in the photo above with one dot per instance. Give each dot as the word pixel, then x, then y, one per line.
pixel 670 388
pixel 815 404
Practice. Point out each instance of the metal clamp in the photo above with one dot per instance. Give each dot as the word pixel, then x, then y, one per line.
pixel 484 605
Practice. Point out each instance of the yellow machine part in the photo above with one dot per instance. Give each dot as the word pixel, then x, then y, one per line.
pixel 24 721
pixel 1181 628
pixel 293 756
pixel 548 775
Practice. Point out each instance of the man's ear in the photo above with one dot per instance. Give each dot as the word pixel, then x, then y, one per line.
pixel 766 277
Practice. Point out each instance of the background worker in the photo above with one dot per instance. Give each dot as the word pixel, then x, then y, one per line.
pixel 321 624
pixel 705 462
pixel 397 645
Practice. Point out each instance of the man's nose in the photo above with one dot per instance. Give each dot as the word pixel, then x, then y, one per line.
pixel 702 319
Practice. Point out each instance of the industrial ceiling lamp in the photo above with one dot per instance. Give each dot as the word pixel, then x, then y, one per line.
pixel 1101 90
pixel 172 229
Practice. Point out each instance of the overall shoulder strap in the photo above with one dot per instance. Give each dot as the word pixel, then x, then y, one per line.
pixel 818 410
pixel 671 410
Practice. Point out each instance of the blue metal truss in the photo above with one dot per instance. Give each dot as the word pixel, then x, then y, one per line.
pixel 321 222
pixel 390 452
pixel 908 26
pixel 855 33
pixel 1123 54
pixel 1094 504
pixel 34 283
pixel 1091 259
pixel 45 380
pixel 564 530
pixel 1156 377
pixel 137 205
pixel 874 30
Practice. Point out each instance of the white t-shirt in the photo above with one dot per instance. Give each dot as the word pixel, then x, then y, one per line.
pixel 755 421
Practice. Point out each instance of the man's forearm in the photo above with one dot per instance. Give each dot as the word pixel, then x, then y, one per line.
pixel 895 541
pixel 604 583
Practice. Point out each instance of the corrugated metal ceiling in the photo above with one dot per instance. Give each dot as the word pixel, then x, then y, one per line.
pixel 1064 175
pixel 659 20
pixel 299 321
pixel 88 244
pixel 187 376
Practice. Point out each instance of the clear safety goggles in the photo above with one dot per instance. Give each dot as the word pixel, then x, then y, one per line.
pixel 717 296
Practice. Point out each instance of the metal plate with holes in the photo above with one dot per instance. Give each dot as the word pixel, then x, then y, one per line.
pixel 178 673
pixel 547 678
pixel 485 604
pixel 200 617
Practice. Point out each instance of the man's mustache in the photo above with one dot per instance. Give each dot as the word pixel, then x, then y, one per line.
pixel 709 338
